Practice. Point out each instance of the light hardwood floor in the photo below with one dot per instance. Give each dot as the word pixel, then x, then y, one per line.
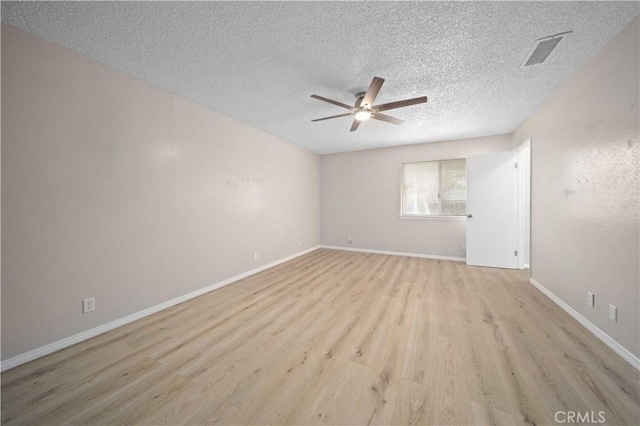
pixel 337 337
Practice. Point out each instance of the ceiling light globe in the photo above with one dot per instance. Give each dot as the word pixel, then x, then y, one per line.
pixel 363 115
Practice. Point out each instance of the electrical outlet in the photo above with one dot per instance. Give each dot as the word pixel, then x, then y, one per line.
pixel 613 313
pixel 591 299
pixel 299 243
pixel 255 255
pixel 463 247
pixel 349 239
pixel 88 305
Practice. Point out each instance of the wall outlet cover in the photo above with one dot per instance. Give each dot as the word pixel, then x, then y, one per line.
pixel 88 305
pixel 613 313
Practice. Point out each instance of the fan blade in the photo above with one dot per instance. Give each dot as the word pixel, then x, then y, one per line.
pixel 340 104
pixel 333 116
pixel 355 125
pixel 400 104
pixel 387 118
pixel 372 91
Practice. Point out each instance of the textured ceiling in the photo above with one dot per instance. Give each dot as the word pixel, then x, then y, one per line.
pixel 259 62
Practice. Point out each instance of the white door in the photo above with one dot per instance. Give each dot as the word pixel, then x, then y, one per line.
pixel 491 210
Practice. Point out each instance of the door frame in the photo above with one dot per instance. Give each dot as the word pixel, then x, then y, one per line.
pixel 521 207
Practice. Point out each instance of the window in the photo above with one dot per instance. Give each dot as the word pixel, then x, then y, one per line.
pixel 434 188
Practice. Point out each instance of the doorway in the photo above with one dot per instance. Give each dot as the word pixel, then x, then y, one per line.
pixel 523 158
pixel 499 208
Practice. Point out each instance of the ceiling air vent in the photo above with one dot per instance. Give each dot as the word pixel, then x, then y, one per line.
pixel 542 48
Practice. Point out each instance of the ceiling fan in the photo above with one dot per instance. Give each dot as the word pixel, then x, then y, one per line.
pixel 364 108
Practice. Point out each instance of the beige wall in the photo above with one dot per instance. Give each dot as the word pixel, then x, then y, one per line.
pixel 360 197
pixel 585 189
pixel 115 189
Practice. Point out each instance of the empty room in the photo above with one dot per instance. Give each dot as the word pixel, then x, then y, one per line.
pixel 305 213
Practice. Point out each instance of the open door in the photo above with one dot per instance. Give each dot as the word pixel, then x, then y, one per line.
pixel 492 210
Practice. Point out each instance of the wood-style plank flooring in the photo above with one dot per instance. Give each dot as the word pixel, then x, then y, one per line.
pixel 337 337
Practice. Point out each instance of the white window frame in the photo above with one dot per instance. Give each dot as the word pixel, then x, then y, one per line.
pixel 429 216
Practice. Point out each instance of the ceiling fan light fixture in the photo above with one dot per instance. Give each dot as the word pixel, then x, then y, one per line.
pixel 364 107
pixel 363 115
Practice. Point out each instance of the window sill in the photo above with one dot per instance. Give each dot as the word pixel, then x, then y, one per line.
pixel 434 217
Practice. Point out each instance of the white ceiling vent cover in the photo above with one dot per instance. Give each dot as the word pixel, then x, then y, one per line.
pixel 542 49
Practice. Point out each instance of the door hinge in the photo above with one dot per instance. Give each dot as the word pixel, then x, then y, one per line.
pixel 516 252
pixel 516 165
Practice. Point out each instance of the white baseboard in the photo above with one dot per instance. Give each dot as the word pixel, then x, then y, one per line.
pixel 88 334
pixel 396 253
pixel 608 340
pixel 526 266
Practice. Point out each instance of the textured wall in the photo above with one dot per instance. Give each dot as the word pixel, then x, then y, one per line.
pixel 115 189
pixel 360 197
pixel 585 189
